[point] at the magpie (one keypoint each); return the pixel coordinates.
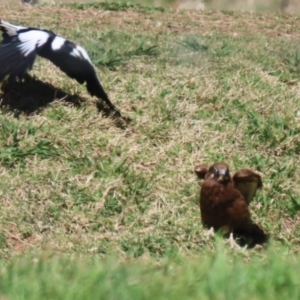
(20, 46)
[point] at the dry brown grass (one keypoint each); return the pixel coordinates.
(132, 191)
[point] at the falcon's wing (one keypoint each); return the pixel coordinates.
(247, 182)
(201, 171)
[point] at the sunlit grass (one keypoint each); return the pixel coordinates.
(217, 276)
(199, 87)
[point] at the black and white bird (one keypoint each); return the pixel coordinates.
(20, 46)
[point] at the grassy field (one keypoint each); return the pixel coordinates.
(218, 276)
(90, 206)
(290, 6)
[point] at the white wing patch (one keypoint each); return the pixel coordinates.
(84, 54)
(11, 30)
(32, 39)
(57, 43)
(75, 53)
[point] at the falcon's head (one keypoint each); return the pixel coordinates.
(219, 172)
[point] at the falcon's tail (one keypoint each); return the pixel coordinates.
(254, 235)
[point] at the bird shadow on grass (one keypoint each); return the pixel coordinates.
(32, 95)
(244, 238)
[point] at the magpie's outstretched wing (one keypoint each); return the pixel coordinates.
(19, 49)
(20, 46)
(76, 63)
(9, 30)
(12, 59)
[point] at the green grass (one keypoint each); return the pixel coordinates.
(116, 6)
(217, 276)
(200, 87)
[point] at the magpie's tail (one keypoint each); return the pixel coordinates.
(95, 88)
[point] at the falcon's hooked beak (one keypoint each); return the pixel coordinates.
(224, 175)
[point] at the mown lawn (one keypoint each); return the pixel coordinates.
(89, 205)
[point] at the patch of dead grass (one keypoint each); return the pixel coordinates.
(132, 191)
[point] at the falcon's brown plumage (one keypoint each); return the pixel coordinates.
(245, 180)
(224, 202)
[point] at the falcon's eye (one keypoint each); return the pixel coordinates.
(214, 170)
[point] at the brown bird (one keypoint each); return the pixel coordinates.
(224, 202)
(245, 180)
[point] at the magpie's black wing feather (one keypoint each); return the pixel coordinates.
(70, 61)
(12, 61)
(74, 61)
(95, 88)
(10, 30)
(20, 46)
